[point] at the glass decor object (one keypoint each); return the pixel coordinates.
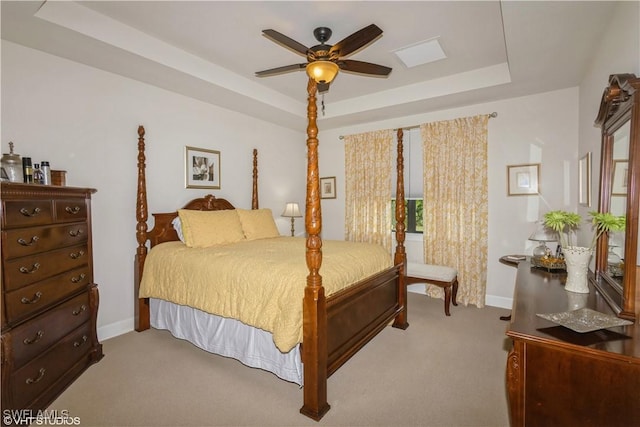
(11, 166)
(542, 234)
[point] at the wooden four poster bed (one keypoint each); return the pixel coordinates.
(334, 327)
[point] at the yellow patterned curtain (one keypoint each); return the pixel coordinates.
(455, 202)
(368, 187)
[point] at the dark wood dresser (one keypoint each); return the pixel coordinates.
(49, 301)
(558, 377)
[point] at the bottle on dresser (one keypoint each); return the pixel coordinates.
(27, 170)
(46, 173)
(37, 174)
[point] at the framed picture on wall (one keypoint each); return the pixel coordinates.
(584, 180)
(328, 187)
(522, 180)
(202, 168)
(620, 177)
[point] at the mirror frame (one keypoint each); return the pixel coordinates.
(620, 104)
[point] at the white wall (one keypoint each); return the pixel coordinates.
(533, 129)
(85, 121)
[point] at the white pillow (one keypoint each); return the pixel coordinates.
(177, 225)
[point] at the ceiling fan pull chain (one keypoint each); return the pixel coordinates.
(323, 104)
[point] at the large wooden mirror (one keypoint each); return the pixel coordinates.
(617, 276)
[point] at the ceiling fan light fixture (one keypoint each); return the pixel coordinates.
(322, 71)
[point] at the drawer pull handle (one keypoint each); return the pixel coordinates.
(76, 255)
(74, 210)
(23, 242)
(34, 340)
(40, 376)
(35, 267)
(33, 300)
(79, 278)
(34, 212)
(80, 310)
(75, 233)
(79, 343)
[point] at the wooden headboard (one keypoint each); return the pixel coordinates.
(163, 230)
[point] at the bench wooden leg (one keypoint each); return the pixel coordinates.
(455, 292)
(447, 299)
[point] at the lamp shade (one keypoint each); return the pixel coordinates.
(543, 234)
(322, 71)
(291, 210)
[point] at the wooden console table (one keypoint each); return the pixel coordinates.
(558, 377)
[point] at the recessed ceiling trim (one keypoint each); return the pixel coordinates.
(90, 23)
(462, 82)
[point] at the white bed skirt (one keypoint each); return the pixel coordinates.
(227, 337)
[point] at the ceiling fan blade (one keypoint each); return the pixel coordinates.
(364, 68)
(356, 40)
(280, 70)
(285, 41)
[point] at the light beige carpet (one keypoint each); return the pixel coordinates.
(441, 371)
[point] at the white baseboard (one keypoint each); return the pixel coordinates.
(490, 300)
(114, 329)
(500, 302)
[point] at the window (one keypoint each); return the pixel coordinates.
(413, 214)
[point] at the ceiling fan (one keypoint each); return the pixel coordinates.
(324, 60)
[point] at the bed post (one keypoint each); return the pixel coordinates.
(314, 320)
(141, 304)
(254, 194)
(400, 254)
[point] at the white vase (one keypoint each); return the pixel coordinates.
(577, 260)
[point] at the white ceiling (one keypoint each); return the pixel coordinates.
(209, 50)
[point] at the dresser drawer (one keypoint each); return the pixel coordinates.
(69, 210)
(39, 334)
(30, 269)
(28, 241)
(30, 381)
(29, 299)
(24, 213)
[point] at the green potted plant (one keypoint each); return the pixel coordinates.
(577, 257)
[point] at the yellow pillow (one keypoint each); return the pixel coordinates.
(209, 228)
(258, 224)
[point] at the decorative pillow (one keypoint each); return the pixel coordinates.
(257, 224)
(177, 225)
(209, 228)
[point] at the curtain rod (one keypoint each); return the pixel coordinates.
(491, 116)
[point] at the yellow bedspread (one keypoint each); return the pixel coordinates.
(259, 282)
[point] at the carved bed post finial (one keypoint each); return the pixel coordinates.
(400, 254)
(314, 346)
(254, 195)
(142, 305)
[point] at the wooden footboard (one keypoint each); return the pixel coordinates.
(359, 313)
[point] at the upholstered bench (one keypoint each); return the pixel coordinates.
(445, 277)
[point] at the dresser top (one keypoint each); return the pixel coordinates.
(541, 292)
(12, 190)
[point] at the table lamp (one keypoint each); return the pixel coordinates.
(292, 211)
(542, 234)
